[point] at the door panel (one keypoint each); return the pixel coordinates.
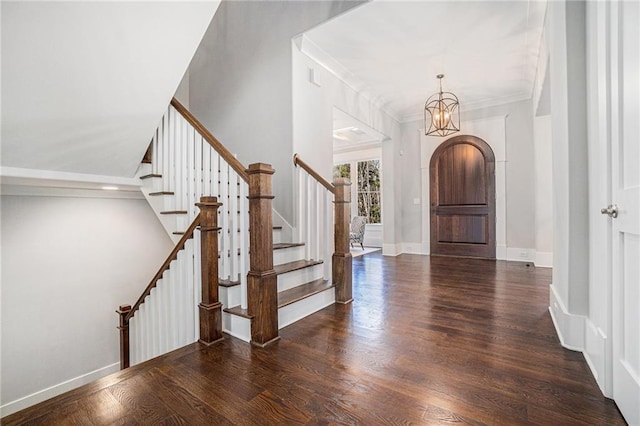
(625, 161)
(463, 221)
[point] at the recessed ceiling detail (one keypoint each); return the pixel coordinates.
(390, 51)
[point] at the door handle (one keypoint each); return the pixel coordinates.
(611, 210)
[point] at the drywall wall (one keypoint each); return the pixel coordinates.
(567, 74)
(67, 264)
(519, 177)
(543, 194)
(241, 82)
(313, 105)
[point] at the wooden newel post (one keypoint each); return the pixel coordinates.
(210, 307)
(341, 260)
(123, 312)
(262, 289)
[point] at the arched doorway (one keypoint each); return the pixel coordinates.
(463, 198)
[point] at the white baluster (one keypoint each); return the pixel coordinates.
(227, 232)
(234, 240)
(328, 232)
(243, 225)
(197, 288)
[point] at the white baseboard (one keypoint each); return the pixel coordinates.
(544, 259)
(391, 249)
(569, 327)
(597, 354)
(501, 252)
(55, 390)
(415, 248)
(521, 254)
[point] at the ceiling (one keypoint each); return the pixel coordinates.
(391, 51)
(84, 83)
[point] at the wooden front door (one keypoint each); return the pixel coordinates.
(463, 199)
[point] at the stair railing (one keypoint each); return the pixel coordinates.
(315, 222)
(167, 318)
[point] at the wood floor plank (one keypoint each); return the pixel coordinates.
(425, 341)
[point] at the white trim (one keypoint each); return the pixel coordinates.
(55, 390)
(501, 252)
(391, 249)
(596, 353)
(47, 178)
(569, 327)
(415, 248)
(544, 259)
(49, 191)
(515, 254)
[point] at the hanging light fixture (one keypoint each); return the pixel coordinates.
(441, 113)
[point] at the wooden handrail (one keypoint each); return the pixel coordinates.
(174, 254)
(215, 143)
(297, 161)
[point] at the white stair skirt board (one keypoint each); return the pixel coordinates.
(300, 276)
(296, 311)
(236, 326)
(289, 254)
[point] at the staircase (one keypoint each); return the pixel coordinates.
(184, 163)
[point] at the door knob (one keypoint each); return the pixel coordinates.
(611, 210)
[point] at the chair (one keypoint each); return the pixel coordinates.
(357, 230)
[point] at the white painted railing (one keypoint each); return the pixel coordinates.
(182, 154)
(315, 218)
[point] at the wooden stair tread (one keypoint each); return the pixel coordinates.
(293, 266)
(277, 228)
(149, 176)
(154, 194)
(237, 310)
(279, 246)
(303, 291)
(178, 232)
(174, 212)
(228, 283)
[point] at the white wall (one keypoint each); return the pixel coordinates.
(313, 133)
(569, 293)
(543, 194)
(241, 82)
(67, 264)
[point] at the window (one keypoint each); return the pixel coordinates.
(365, 188)
(369, 190)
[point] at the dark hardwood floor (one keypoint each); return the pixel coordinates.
(426, 341)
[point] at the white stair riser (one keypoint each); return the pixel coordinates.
(277, 236)
(236, 326)
(288, 254)
(230, 296)
(296, 311)
(295, 278)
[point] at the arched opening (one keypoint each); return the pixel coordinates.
(463, 198)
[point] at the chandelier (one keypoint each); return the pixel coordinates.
(441, 113)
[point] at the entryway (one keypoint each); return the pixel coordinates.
(463, 198)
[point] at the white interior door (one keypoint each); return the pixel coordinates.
(625, 180)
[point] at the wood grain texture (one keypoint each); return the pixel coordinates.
(341, 258)
(463, 198)
(210, 308)
(262, 290)
(426, 341)
(297, 161)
